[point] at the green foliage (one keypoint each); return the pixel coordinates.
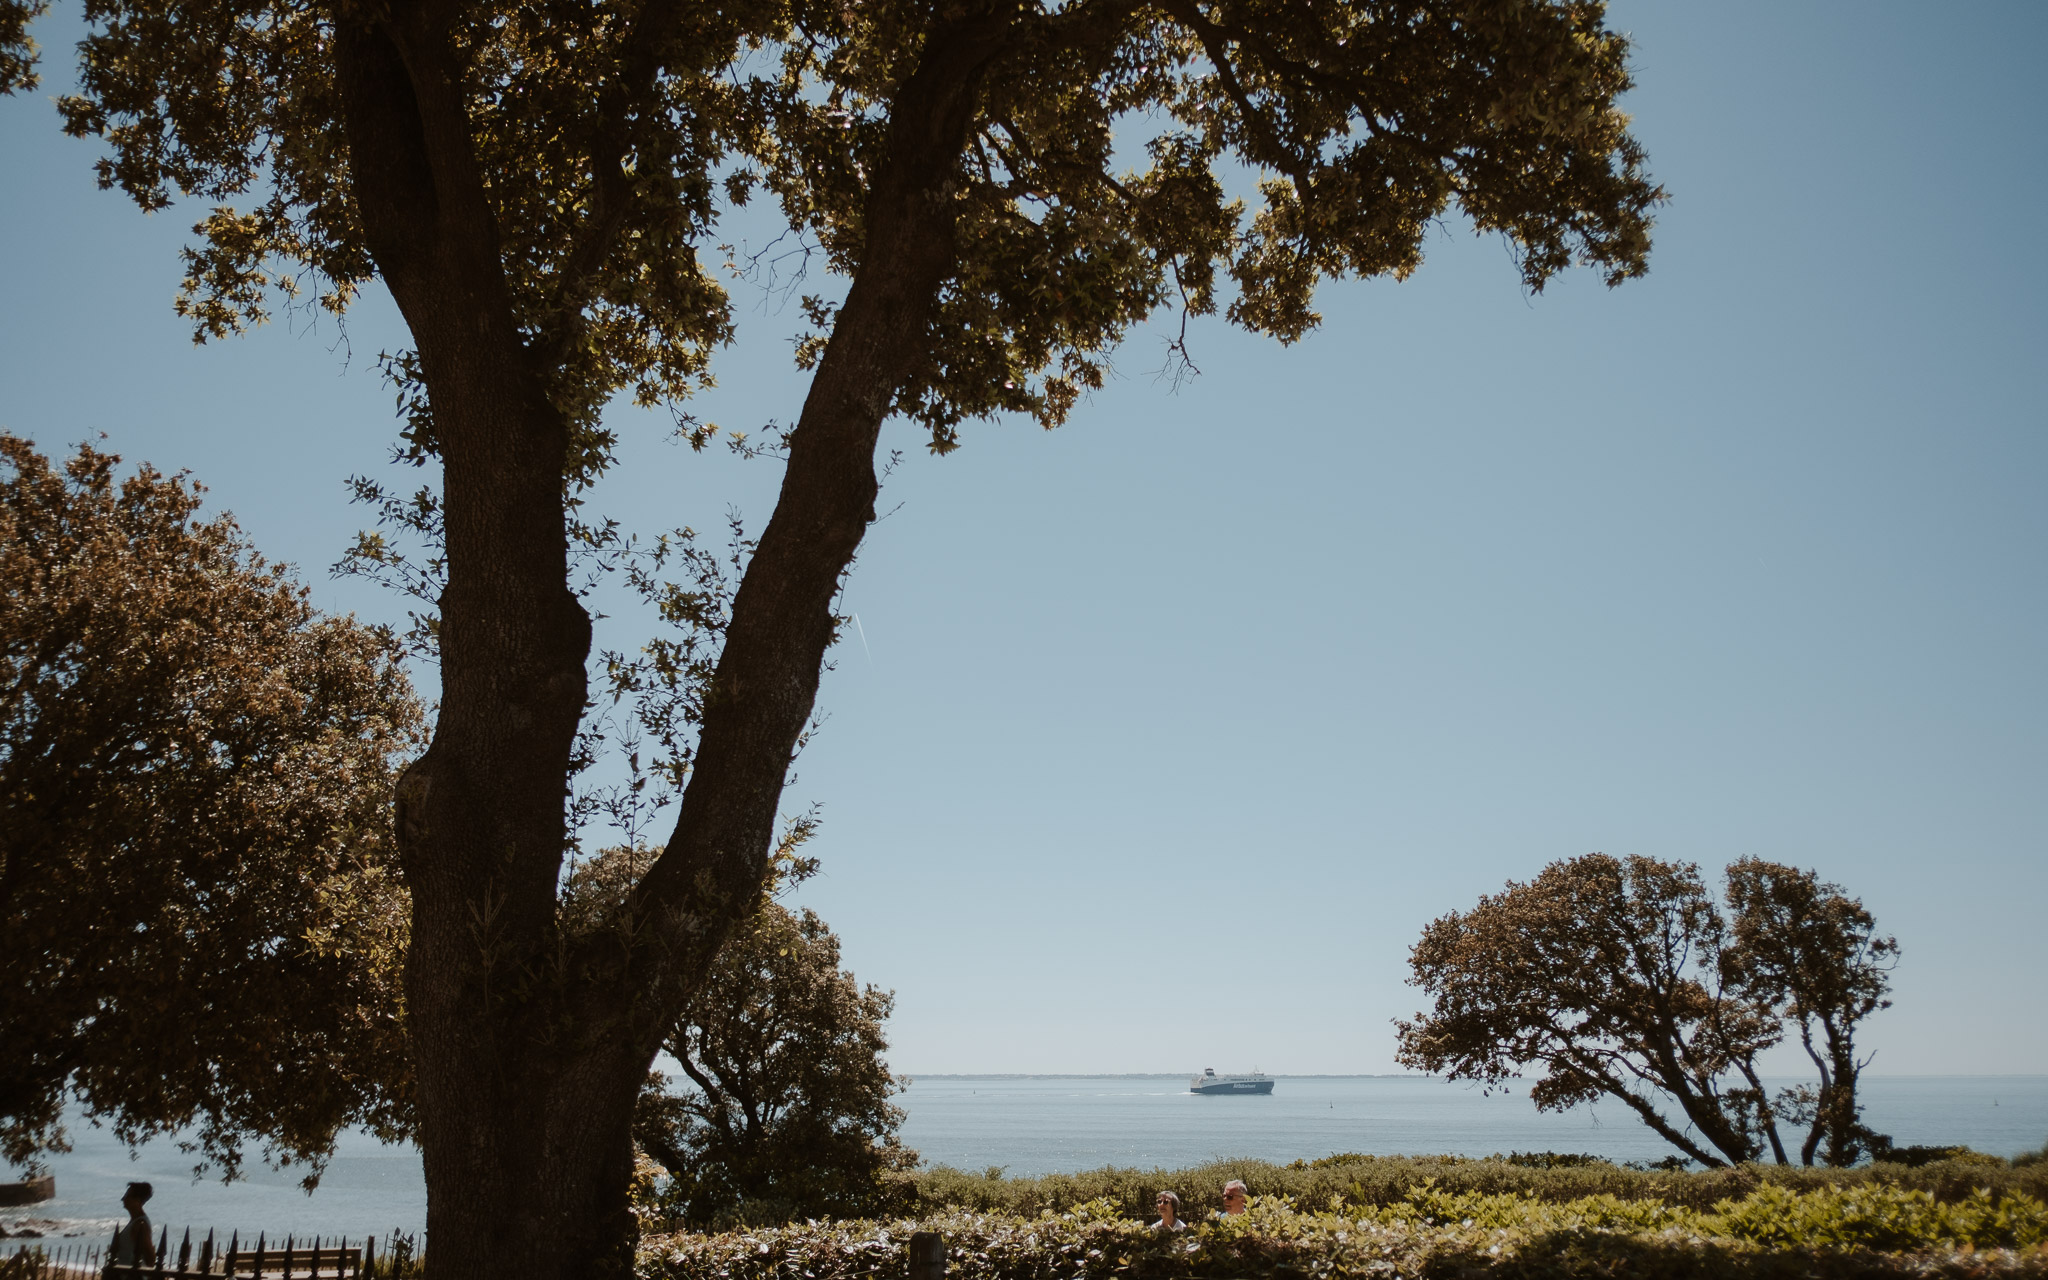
(786, 1110)
(1370, 1181)
(400, 1259)
(1550, 1160)
(1810, 953)
(23, 1264)
(1918, 1157)
(604, 133)
(17, 50)
(1875, 1230)
(1877, 1216)
(1604, 972)
(1621, 978)
(201, 920)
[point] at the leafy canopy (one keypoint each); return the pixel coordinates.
(1621, 978)
(17, 50)
(606, 135)
(786, 1110)
(200, 919)
(1808, 949)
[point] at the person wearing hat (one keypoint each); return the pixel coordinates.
(133, 1245)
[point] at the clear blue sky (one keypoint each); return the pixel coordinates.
(1174, 727)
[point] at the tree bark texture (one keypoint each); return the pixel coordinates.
(531, 1049)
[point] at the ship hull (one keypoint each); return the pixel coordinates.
(1223, 1087)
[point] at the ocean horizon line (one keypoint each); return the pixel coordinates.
(1156, 1075)
(1398, 1075)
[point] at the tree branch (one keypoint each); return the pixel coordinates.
(766, 683)
(628, 96)
(1650, 1115)
(1215, 42)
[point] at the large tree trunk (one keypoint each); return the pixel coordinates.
(523, 1123)
(529, 1048)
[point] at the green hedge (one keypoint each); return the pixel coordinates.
(1372, 1181)
(1874, 1229)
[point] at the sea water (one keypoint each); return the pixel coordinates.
(1027, 1125)
(1032, 1125)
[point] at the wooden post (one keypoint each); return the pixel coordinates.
(927, 1256)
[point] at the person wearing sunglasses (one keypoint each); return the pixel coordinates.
(1168, 1205)
(1234, 1197)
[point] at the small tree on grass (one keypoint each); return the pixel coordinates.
(1622, 979)
(200, 919)
(1811, 952)
(788, 1113)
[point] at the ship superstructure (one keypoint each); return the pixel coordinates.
(1211, 1083)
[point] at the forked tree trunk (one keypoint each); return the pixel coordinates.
(530, 1049)
(1846, 1136)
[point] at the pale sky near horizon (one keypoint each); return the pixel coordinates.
(1170, 730)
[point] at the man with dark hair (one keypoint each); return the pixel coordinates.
(133, 1246)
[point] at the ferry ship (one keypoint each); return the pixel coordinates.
(1210, 1082)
